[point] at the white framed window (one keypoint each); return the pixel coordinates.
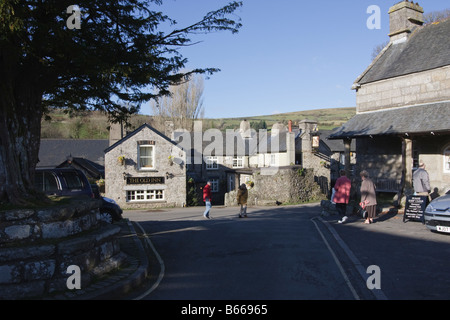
(273, 160)
(145, 195)
(342, 159)
(146, 157)
(238, 162)
(212, 163)
(447, 160)
(214, 185)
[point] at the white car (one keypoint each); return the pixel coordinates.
(437, 214)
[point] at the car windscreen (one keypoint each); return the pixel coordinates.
(73, 180)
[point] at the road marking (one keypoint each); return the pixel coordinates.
(378, 293)
(347, 281)
(161, 263)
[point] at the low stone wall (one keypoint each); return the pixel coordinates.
(287, 185)
(37, 247)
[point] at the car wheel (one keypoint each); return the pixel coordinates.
(105, 216)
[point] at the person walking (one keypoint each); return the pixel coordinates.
(207, 199)
(421, 182)
(368, 196)
(342, 195)
(242, 197)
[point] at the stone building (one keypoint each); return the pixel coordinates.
(145, 169)
(157, 169)
(231, 158)
(403, 105)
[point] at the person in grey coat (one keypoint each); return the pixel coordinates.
(421, 181)
(368, 196)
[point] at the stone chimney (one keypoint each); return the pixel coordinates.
(245, 129)
(115, 132)
(307, 127)
(169, 129)
(403, 18)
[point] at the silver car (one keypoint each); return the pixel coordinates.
(437, 214)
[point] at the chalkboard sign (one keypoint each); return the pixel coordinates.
(415, 208)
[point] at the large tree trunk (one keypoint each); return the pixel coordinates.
(20, 126)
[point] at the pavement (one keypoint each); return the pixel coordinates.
(137, 274)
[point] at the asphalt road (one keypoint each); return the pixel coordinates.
(275, 254)
(291, 253)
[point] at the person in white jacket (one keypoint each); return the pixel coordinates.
(421, 181)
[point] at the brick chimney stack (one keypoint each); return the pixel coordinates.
(403, 18)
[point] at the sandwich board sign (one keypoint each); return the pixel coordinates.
(415, 208)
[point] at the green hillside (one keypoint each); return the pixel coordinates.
(326, 118)
(94, 124)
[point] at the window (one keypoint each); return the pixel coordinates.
(145, 195)
(146, 157)
(238, 162)
(342, 159)
(45, 181)
(73, 180)
(214, 185)
(273, 160)
(447, 160)
(212, 163)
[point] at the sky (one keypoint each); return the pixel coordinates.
(289, 55)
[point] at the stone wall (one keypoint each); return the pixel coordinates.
(416, 88)
(289, 185)
(38, 245)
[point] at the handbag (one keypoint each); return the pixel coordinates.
(363, 212)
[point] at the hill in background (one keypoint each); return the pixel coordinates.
(326, 118)
(95, 125)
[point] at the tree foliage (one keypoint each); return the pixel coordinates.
(436, 16)
(118, 59)
(183, 106)
(117, 55)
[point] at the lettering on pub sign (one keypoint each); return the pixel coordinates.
(145, 180)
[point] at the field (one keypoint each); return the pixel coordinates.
(326, 118)
(95, 125)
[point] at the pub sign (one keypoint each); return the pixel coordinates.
(145, 180)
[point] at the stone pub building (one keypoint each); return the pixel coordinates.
(403, 105)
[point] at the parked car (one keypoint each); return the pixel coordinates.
(110, 211)
(437, 214)
(63, 182)
(73, 183)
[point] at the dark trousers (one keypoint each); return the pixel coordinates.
(341, 208)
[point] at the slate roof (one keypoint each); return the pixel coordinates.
(232, 143)
(53, 152)
(132, 134)
(418, 119)
(333, 144)
(90, 168)
(427, 48)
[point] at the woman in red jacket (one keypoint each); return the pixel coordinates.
(207, 199)
(342, 195)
